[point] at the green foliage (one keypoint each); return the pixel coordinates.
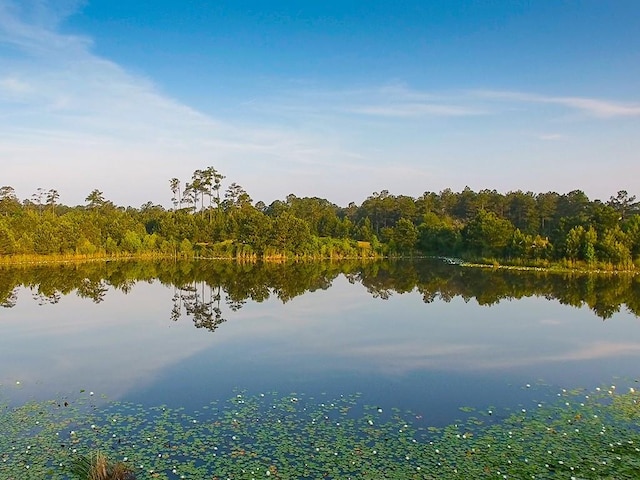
(405, 235)
(186, 249)
(487, 234)
(518, 226)
(581, 434)
(131, 242)
(439, 236)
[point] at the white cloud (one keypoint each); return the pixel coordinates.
(415, 110)
(14, 86)
(551, 136)
(74, 121)
(590, 106)
(394, 100)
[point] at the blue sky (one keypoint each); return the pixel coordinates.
(335, 99)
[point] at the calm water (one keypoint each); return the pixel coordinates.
(424, 335)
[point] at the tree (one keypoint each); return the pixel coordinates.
(522, 211)
(7, 240)
(439, 236)
(190, 196)
(623, 204)
(236, 197)
(467, 205)
(9, 203)
(603, 217)
(547, 204)
(95, 199)
(254, 228)
(290, 234)
(574, 243)
(174, 184)
(405, 235)
(589, 245)
(131, 242)
(214, 182)
(487, 234)
(632, 229)
(612, 247)
(51, 199)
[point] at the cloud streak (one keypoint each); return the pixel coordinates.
(593, 107)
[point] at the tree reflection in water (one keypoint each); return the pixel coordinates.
(204, 289)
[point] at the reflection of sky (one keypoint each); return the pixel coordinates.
(338, 340)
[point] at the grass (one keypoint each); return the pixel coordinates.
(96, 466)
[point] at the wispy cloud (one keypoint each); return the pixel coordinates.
(401, 101)
(62, 105)
(551, 136)
(30, 25)
(594, 107)
(73, 120)
(398, 100)
(415, 110)
(392, 100)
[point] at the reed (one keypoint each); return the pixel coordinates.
(96, 466)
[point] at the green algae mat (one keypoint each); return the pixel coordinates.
(571, 434)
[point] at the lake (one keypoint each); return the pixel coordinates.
(419, 335)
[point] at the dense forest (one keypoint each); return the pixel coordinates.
(207, 220)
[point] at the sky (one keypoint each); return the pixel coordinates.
(334, 99)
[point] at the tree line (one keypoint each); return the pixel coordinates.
(209, 220)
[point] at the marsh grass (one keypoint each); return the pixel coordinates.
(96, 466)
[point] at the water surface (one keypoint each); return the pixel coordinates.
(419, 335)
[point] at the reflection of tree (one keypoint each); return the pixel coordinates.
(43, 299)
(95, 290)
(208, 292)
(604, 294)
(9, 299)
(202, 308)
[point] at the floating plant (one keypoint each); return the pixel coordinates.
(583, 435)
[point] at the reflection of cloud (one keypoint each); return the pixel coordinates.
(590, 352)
(406, 357)
(600, 350)
(550, 321)
(403, 357)
(127, 341)
(112, 351)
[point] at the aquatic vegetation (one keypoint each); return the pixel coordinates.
(96, 466)
(587, 435)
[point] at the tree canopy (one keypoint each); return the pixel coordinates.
(212, 219)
